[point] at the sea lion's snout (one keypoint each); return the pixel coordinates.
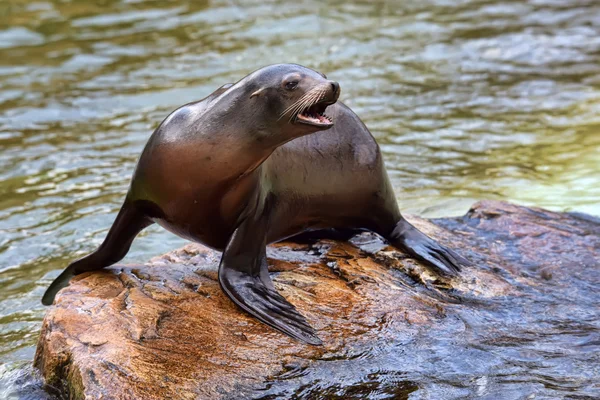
(335, 87)
(314, 103)
(332, 96)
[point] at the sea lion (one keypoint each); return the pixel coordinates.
(256, 162)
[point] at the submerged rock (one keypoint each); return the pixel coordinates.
(165, 330)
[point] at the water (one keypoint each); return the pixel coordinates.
(468, 99)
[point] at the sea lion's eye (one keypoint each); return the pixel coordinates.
(291, 85)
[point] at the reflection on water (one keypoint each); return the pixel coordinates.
(468, 99)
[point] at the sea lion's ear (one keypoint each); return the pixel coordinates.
(257, 93)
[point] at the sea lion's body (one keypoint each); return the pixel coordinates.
(329, 179)
(207, 176)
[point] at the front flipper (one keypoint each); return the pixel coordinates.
(244, 277)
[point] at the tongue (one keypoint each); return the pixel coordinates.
(315, 117)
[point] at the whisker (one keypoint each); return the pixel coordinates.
(303, 104)
(307, 100)
(295, 104)
(310, 101)
(292, 106)
(301, 107)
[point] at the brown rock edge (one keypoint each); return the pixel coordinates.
(165, 330)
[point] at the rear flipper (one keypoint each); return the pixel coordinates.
(129, 222)
(244, 277)
(443, 260)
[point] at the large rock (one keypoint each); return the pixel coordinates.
(165, 330)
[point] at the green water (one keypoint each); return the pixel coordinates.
(468, 99)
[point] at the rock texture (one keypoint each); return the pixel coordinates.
(165, 330)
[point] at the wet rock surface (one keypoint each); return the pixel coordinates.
(522, 322)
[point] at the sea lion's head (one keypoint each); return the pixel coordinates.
(291, 99)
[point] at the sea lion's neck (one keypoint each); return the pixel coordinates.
(244, 141)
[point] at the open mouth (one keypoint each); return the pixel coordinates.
(315, 115)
